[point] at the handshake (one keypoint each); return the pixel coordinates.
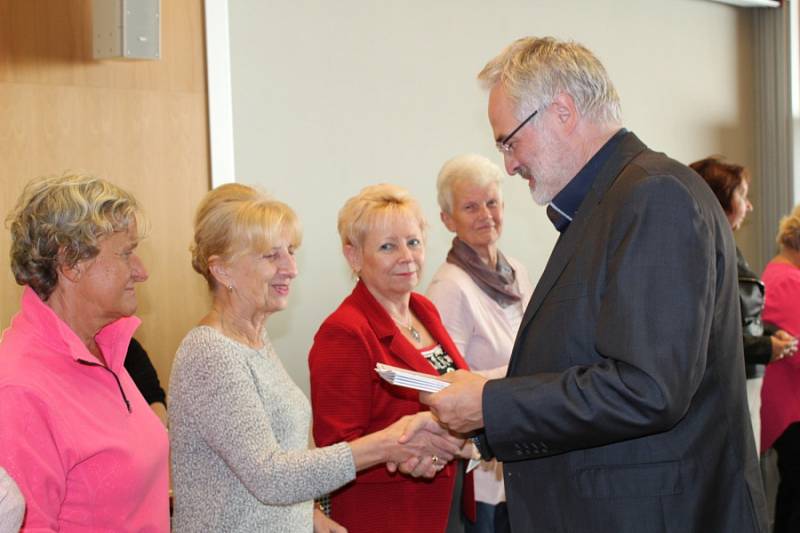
(419, 446)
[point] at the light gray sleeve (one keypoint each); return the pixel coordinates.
(12, 505)
(229, 414)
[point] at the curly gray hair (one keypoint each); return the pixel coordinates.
(59, 220)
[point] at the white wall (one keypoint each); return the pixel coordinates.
(331, 96)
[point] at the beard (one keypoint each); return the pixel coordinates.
(551, 172)
(542, 190)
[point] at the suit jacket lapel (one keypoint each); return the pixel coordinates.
(569, 241)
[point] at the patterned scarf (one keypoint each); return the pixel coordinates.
(499, 284)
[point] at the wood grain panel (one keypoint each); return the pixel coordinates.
(141, 124)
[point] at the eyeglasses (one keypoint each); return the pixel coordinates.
(503, 145)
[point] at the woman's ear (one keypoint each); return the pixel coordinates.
(448, 222)
(354, 257)
(72, 273)
(219, 271)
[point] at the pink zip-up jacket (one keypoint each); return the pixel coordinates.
(86, 450)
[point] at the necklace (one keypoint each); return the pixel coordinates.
(410, 328)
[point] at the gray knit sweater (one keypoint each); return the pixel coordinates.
(12, 504)
(239, 428)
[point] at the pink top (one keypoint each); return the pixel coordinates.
(780, 395)
(86, 450)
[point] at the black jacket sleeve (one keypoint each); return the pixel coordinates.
(138, 365)
(757, 350)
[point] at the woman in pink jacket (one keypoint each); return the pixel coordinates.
(780, 401)
(76, 435)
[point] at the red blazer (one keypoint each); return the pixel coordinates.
(350, 400)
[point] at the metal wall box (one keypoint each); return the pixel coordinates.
(126, 29)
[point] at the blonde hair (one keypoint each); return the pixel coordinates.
(59, 221)
(233, 219)
(533, 71)
(470, 168)
(373, 206)
(789, 230)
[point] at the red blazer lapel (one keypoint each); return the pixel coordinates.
(394, 341)
(395, 345)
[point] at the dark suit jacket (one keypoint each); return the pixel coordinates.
(625, 407)
(349, 400)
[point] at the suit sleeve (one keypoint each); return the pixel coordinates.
(655, 303)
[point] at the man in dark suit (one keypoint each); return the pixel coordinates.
(624, 408)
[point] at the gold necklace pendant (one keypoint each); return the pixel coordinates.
(408, 327)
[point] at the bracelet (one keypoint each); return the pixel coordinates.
(323, 503)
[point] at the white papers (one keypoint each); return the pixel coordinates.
(473, 464)
(418, 381)
(410, 379)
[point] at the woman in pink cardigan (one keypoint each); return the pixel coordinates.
(780, 399)
(76, 435)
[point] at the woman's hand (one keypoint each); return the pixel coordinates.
(783, 345)
(419, 438)
(323, 524)
(426, 446)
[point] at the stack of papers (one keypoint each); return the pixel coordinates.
(410, 379)
(418, 381)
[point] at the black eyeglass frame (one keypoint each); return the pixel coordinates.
(503, 145)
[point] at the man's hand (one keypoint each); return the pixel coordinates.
(460, 406)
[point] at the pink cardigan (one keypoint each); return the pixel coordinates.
(79, 439)
(780, 394)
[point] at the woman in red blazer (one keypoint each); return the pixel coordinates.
(383, 321)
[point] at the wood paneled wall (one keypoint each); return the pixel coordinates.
(141, 124)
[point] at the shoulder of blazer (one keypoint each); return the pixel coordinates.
(360, 311)
(420, 303)
(630, 149)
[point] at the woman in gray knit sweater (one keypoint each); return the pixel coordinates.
(239, 426)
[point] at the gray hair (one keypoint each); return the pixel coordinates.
(469, 168)
(533, 71)
(59, 221)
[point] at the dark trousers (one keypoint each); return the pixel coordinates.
(787, 501)
(490, 519)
